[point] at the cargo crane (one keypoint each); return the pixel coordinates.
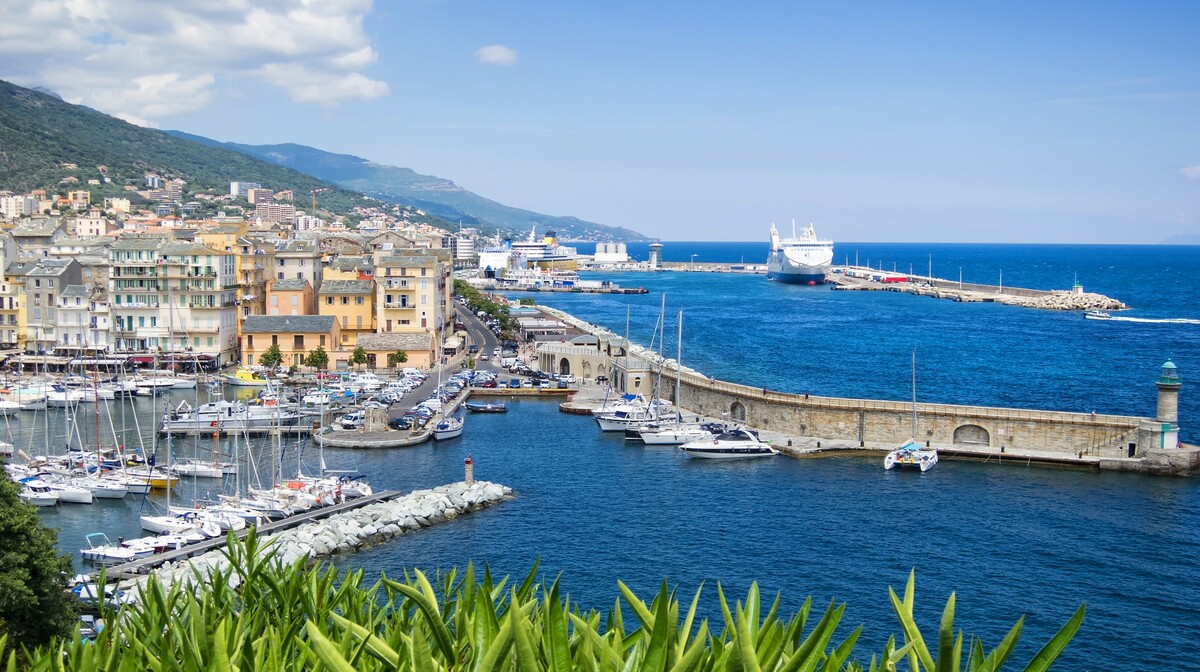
(314, 193)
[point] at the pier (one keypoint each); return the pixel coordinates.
(143, 565)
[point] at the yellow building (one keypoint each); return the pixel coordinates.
(379, 346)
(352, 302)
(293, 296)
(256, 258)
(413, 294)
(296, 336)
(13, 320)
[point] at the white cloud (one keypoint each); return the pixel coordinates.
(1191, 172)
(496, 54)
(146, 61)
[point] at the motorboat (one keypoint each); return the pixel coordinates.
(489, 407)
(9, 407)
(227, 416)
(191, 521)
(197, 469)
(911, 455)
(37, 492)
(449, 428)
(6, 450)
(244, 377)
(102, 551)
(62, 397)
(104, 488)
(1095, 314)
(674, 435)
(736, 443)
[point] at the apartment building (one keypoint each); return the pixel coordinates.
(352, 302)
(293, 296)
(295, 335)
(44, 284)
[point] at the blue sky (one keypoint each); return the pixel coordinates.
(1015, 122)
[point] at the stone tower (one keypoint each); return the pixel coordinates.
(1168, 384)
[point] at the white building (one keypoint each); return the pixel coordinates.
(611, 253)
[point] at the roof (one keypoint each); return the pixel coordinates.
(76, 290)
(51, 267)
(306, 247)
(288, 324)
(347, 287)
(586, 339)
(186, 249)
(392, 342)
(132, 243)
(289, 285)
(407, 260)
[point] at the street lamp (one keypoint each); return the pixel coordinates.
(694, 261)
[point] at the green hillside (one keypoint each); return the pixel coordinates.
(40, 134)
(435, 195)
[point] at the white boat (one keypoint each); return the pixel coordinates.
(104, 488)
(1095, 314)
(69, 493)
(189, 522)
(154, 385)
(620, 421)
(9, 407)
(184, 383)
(802, 259)
(37, 492)
(673, 435)
(448, 428)
(734, 444)
(911, 454)
(227, 416)
(102, 551)
(6, 450)
(61, 397)
(197, 469)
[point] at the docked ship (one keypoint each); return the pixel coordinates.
(802, 259)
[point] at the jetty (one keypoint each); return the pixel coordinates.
(337, 529)
(807, 425)
(858, 278)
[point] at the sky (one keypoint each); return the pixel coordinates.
(1037, 122)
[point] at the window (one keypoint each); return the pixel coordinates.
(423, 325)
(274, 300)
(329, 300)
(360, 322)
(345, 300)
(358, 300)
(210, 341)
(295, 300)
(196, 341)
(299, 276)
(249, 341)
(50, 282)
(345, 338)
(274, 339)
(389, 325)
(322, 341)
(298, 342)
(37, 282)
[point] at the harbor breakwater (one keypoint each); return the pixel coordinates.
(352, 530)
(809, 424)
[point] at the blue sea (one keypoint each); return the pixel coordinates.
(1008, 540)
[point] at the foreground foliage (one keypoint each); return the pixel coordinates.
(261, 616)
(35, 606)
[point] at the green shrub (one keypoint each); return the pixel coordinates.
(260, 616)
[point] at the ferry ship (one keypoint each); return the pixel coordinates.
(800, 259)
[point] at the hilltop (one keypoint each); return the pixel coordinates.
(46, 142)
(431, 194)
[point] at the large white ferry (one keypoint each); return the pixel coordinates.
(800, 259)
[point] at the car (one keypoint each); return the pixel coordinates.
(527, 383)
(483, 357)
(567, 378)
(352, 420)
(601, 379)
(473, 349)
(400, 423)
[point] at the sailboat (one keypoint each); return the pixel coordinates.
(911, 454)
(676, 432)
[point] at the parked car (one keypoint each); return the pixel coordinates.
(400, 423)
(353, 420)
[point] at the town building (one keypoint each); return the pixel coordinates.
(44, 283)
(296, 336)
(352, 302)
(293, 296)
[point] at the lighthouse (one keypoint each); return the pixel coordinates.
(1168, 384)
(655, 262)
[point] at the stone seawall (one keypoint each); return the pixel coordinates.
(347, 532)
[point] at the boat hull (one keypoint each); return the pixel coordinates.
(726, 452)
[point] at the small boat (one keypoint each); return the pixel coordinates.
(736, 443)
(6, 450)
(448, 428)
(673, 435)
(245, 378)
(911, 455)
(490, 407)
(37, 492)
(1095, 314)
(9, 407)
(101, 551)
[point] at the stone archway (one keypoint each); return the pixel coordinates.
(737, 412)
(587, 369)
(564, 366)
(972, 435)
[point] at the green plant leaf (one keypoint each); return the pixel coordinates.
(1055, 646)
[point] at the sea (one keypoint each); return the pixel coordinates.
(1009, 541)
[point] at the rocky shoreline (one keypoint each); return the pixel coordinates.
(355, 529)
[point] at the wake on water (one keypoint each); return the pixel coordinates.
(1172, 320)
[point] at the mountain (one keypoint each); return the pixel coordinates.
(46, 142)
(1182, 239)
(432, 194)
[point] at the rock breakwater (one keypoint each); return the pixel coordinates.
(358, 528)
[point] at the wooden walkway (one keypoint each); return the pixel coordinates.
(143, 565)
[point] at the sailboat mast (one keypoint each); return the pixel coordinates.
(679, 364)
(914, 394)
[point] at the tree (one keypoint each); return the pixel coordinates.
(34, 602)
(527, 301)
(359, 356)
(317, 359)
(272, 357)
(396, 358)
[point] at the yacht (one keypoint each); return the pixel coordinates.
(736, 443)
(675, 434)
(37, 492)
(449, 428)
(227, 416)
